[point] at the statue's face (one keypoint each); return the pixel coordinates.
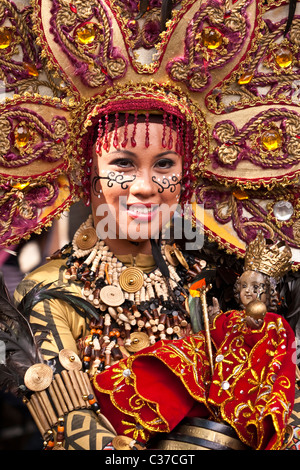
(252, 283)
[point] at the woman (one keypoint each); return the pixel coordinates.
(149, 370)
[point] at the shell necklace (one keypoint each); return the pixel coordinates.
(137, 307)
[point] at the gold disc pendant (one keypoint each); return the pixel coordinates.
(38, 377)
(139, 341)
(180, 258)
(86, 239)
(69, 360)
(170, 255)
(131, 280)
(122, 442)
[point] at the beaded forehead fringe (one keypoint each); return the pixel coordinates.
(112, 123)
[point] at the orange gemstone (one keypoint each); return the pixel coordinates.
(31, 69)
(240, 194)
(212, 38)
(245, 78)
(22, 136)
(284, 57)
(271, 139)
(86, 33)
(5, 37)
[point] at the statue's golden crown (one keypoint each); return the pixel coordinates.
(273, 260)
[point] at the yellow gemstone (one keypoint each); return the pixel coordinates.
(86, 33)
(5, 37)
(22, 136)
(20, 185)
(245, 78)
(271, 139)
(284, 57)
(211, 38)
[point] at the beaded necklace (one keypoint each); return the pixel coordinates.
(135, 309)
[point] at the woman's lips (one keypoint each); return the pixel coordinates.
(142, 212)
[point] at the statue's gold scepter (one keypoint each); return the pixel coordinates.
(199, 289)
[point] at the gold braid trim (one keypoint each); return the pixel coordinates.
(257, 423)
(159, 425)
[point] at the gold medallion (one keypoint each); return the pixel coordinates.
(38, 377)
(131, 280)
(112, 296)
(86, 239)
(180, 258)
(170, 255)
(69, 360)
(122, 442)
(139, 341)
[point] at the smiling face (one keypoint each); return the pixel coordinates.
(251, 284)
(138, 186)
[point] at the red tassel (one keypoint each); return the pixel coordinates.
(124, 143)
(170, 144)
(116, 139)
(164, 142)
(147, 140)
(99, 138)
(177, 145)
(105, 145)
(133, 141)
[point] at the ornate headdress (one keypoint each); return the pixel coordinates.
(228, 69)
(274, 260)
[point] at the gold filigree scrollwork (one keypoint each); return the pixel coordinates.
(261, 140)
(249, 215)
(20, 65)
(17, 201)
(269, 73)
(215, 36)
(84, 33)
(28, 138)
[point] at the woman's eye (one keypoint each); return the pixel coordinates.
(165, 164)
(122, 163)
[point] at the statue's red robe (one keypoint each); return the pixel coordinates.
(252, 387)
